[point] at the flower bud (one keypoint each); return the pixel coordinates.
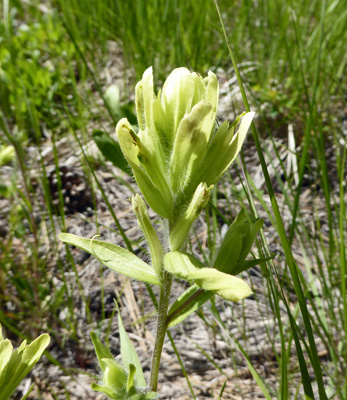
(180, 230)
(223, 150)
(157, 251)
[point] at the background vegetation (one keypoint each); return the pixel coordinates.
(292, 61)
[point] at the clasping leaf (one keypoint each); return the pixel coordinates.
(187, 267)
(114, 257)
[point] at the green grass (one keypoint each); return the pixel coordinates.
(290, 59)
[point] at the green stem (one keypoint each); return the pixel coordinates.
(162, 324)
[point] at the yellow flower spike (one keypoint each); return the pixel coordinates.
(175, 148)
(180, 230)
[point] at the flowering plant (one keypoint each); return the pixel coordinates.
(177, 156)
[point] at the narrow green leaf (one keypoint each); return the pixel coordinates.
(6, 349)
(106, 390)
(28, 392)
(252, 263)
(187, 267)
(157, 251)
(187, 303)
(111, 150)
(114, 257)
(181, 364)
(100, 350)
(247, 244)
(131, 376)
(229, 251)
(254, 373)
(129, 355)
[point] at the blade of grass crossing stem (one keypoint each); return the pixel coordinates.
(281, 231)
(342, 218)
(254, 372)
(181, 364)
(283, 361)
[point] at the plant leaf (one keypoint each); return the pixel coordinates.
(131, 376)
(111, 150)
(251, 263)
(129, 355)
(108, 391)
(157, 251)
(192, 299)
(100, 350)
(114, 257)
(187, 267)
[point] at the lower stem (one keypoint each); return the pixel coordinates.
(162, 325)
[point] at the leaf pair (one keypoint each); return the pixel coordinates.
(230, 261)
(220, 279)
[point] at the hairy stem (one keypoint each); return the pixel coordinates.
(162, 325)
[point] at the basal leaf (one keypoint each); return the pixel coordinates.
(252, 263)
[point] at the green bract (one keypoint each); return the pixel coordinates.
(176, 148)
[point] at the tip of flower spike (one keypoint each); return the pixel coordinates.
(176, 77)
(148, 71)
